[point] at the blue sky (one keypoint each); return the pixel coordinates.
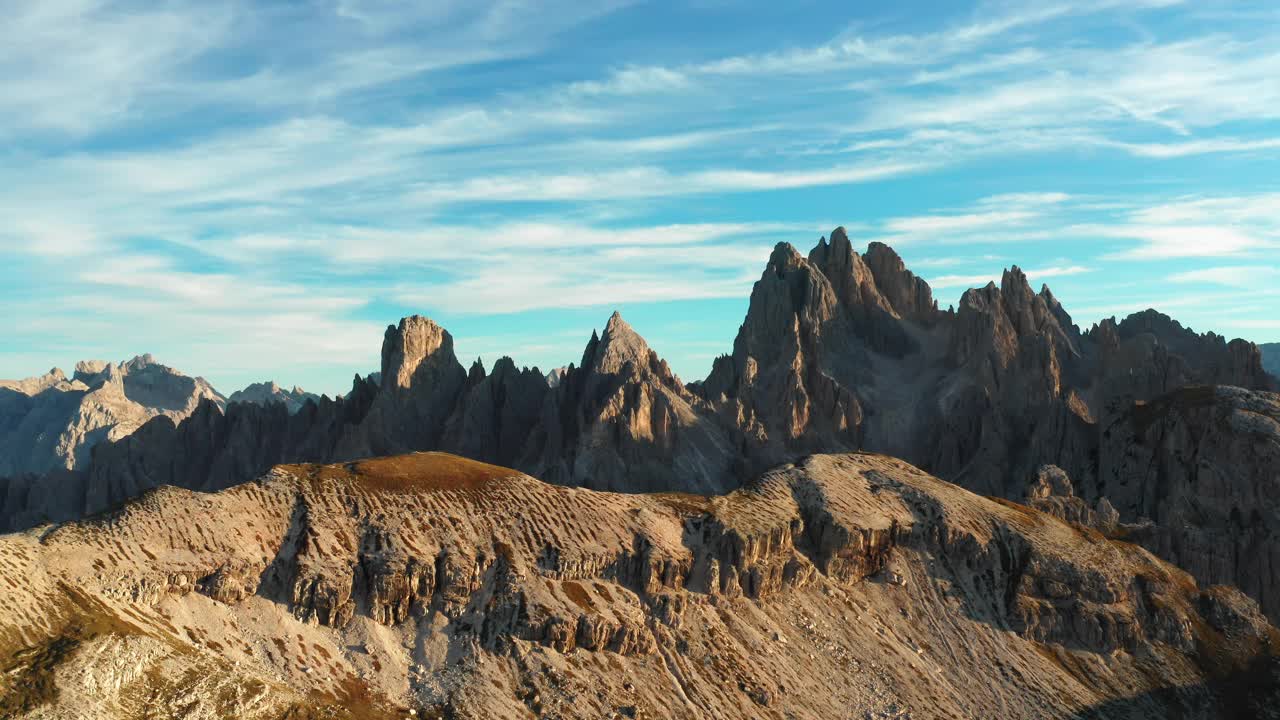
(254, 190)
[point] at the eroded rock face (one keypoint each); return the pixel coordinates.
(623, 421)
(784, 384)
(1203, 463)
(853, 579)
(52, 423)
(1051, 492)
(497, 412)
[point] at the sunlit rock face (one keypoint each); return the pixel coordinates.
(430, 585)
(53, 422)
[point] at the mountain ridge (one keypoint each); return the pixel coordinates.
(52, 422)
(839, 351)
(433, 586)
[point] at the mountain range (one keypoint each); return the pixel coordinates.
(53, 422)
(831, 459)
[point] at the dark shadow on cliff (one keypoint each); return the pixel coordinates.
(1252, 693)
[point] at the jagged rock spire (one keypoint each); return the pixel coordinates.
(407, 346)
(619, 345)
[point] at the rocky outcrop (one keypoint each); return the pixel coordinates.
(1051, 492)
(841, 350)
(433, 586)
(266, 393)
(1202, 463)
(1008, 405)
(1150, 354)
(790, 381)
(52, 423)
(623, 421)
(421, 380)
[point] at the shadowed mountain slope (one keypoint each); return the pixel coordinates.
(1271, 358)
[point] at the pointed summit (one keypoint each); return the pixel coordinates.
(476, 374)
(615, 323)
(849, 276)
(620, 344)
(909, 295)
(139, 362)
(837, 249)
(784, 257)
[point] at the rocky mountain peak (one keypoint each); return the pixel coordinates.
(556, 376)
(35, 385)
(850, 278)
(884, 255)
(783, 258)
(1152, 339)
(908, 295)
(54, 424)
(619, 345)
(88, 368)
(138, 362)
(269, 391)
(1014, 279)
(476, 373)
(407, 347)
(506, 365)
(838, 249)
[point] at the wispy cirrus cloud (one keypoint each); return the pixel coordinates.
(1246, 276)
(483, 159)
(1033, 275)
(645, 182)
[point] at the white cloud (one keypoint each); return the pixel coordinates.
(1056, 271)
(1183, 241)
(1198, 147)
(946, 223)
(1025, 199)
(641, 182)
(73, 65)
(49, 237)
(1245, 276)
(1033, 276)
(634, 81)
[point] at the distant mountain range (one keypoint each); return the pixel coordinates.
(264, 393)
(52, 423)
